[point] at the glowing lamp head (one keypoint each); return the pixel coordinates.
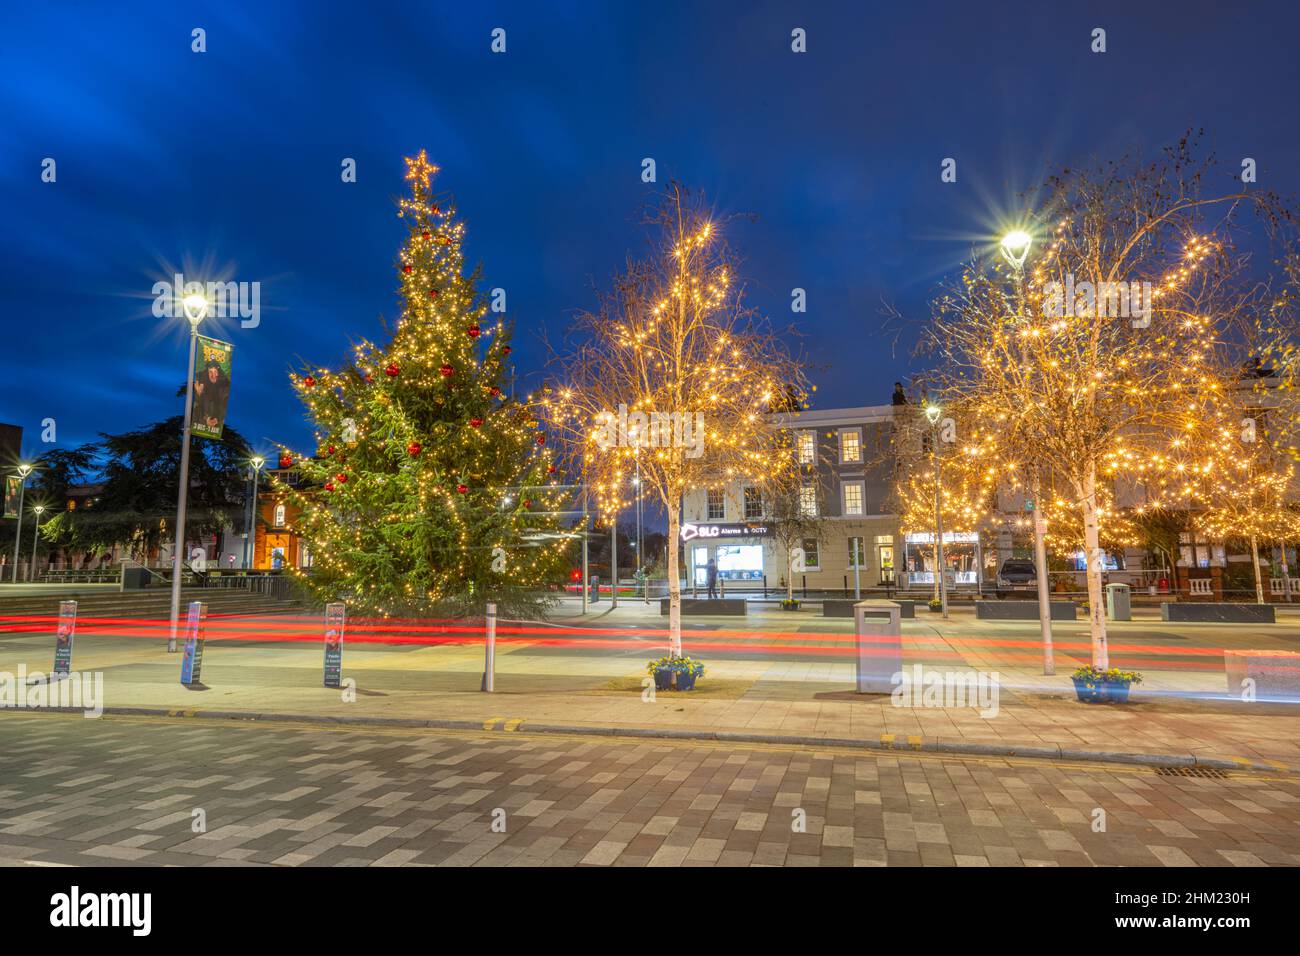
(196, 307)
(39, 509)
(1015, 247)
(932, 413)
(257, 461)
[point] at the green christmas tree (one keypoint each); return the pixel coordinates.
(431, 490)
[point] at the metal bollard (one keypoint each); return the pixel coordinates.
(490, 652)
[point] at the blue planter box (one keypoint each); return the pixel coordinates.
(686, 680)
(1100, 692)
(663, 678)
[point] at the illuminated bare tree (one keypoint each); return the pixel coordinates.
(1111, 349)
(675, 370)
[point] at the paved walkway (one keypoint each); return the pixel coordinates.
(592, 680)
(139, 791)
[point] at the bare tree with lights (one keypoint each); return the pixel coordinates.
(674, 368)
(1085, 378)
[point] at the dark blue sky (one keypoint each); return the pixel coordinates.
(228, 161)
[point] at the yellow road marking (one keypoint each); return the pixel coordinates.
(513, 723)
(914, 741)
(887, 740)
(490, 723)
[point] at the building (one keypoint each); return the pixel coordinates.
(847, 458)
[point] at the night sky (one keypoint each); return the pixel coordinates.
(227, 163)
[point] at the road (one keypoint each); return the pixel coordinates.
(133, 791)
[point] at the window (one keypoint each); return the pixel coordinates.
(807, 448)
(853, 498)
(850, 446)
(279, 516)
(716, 511)
(857, 557)
(753, 503)
(810, 557)
(808, 501)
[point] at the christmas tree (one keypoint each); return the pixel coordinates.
(431, 490)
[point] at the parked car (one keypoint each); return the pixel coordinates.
(1017, 574)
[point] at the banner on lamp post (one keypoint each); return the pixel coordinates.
(211, 384)
(12, 485)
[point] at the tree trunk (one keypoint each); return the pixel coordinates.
(935, 552)
(789, 575)
(674, 588)
(1092, 551)
(1259, 581)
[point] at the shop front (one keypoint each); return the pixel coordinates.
(961, 558)
(740, 549)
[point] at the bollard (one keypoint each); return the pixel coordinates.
(490, 652)
(192, 659)
(879, 654)
(63, 640)
(335, 620)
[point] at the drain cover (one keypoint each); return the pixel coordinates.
(1208, 772)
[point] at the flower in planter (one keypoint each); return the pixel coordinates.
(1095, 675)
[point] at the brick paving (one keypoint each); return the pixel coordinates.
(125, 791)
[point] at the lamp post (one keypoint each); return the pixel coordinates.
(196, 308)
(932, 414)
(24, 469)
(645, 584)
(39, 510)
(250, 530)
(1015, 249)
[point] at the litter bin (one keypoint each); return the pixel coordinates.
(134, 578)
(1119, 604)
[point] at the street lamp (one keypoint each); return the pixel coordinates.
(636, 483)
(196, 308)
(1015, 249)
(932, 414)
(24, 469)
(250, 530)
(40, 510)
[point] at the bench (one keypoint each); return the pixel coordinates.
(1218, 612)
(702, 606)
(1023, 610)
(839, 607)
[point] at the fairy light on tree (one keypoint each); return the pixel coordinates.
(1131, 381)
(429, 488)
(673, 341)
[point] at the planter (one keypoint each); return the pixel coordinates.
(686, 680)
(1100, 692)
(664, 678)
(789, 605)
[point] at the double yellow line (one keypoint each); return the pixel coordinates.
(507, 723)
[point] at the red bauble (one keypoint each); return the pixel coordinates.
(341, 478)
(528, 504)
(329, 486)
(434, 209)
(444, 240)
(505, 350)
(433, 293)
(392, 370)
(425, 234)
(462, 489)
(369, 378)
(413, 449)
(406, 269)
(309, 381)
(286, 461)
(330, 450)
(541, 439)
(473, 331)
(476, 422)
(496, 392)
(550, 469)
(447, 371)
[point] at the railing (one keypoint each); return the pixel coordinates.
(1201, 586)
(278, 587)
(1278, 586)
